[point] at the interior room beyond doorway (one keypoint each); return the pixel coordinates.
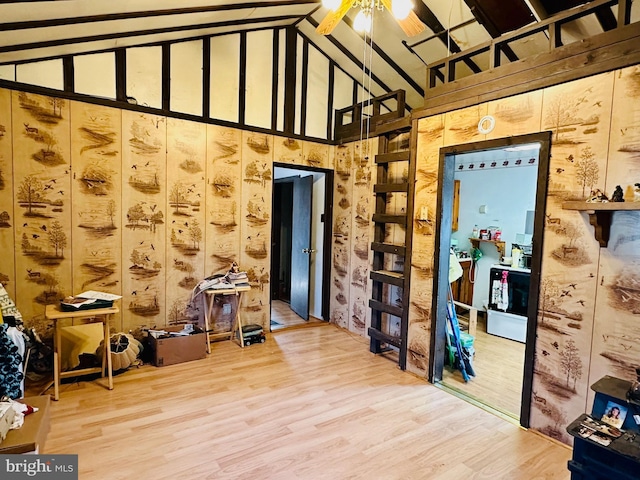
(290, 282)
(496, 201)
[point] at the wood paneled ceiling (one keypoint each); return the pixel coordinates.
(36, 30)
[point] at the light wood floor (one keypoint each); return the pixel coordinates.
(310, 403)
(282, 316)
(499, 365)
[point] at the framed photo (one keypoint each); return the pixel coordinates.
(614, 414)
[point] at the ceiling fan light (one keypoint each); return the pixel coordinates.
(331, 4)
(362, 22)
(401, 8)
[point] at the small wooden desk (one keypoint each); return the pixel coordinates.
(53, 312)
(237, 321)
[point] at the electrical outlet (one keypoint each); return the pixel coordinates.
(226, 309)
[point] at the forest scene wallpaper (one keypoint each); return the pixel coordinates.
(587, 323)
(135, 204)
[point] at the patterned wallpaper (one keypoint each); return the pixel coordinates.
(589, 296)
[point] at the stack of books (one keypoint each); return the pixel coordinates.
(237, 278)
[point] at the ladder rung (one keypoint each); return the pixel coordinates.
(391, 187)
(393, 157)
(384, 337)
(383, 307)
(388, 248)
(388, 276)
(384, 218)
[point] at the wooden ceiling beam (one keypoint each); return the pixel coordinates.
(109, 17)
(427, 17)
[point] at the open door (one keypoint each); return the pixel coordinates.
(301, 245)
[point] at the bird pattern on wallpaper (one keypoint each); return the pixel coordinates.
(257, 167)
(144, 205)
(343, 197)
(7, 262)
(186, 160)
(41, 183)
(95, 188)
(223, 197)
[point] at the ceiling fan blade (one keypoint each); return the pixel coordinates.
(411, 25)
(333, 18)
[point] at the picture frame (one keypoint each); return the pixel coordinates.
(614, 414)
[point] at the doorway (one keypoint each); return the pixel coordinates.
(498, 173)
(300, 249)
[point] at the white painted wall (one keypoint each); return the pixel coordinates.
(259, 72)
(317, 94)
(225, 77)
(186, 77)
(298, 115)
(95, 74)
(46, 74)
(282, 46)
(507, 193)
(342, 93)
(8, 72)
(144, 75)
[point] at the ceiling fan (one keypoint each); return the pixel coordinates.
(402, 11)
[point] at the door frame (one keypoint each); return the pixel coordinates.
(327, 220)
(443, 239)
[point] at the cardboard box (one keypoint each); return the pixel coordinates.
(31, 436)
(172, 350)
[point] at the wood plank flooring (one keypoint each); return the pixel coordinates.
(499, 367)
(283, 317)
(309, 403)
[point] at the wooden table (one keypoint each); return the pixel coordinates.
(237, 321)
(53, 312)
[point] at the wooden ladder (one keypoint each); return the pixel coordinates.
(392, 260)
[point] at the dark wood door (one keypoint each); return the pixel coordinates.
(301, 245)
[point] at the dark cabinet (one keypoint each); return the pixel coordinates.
(601, 452)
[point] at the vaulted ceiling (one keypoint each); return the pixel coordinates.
(44, 29)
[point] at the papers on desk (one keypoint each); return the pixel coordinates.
(88, 300)
(99, 295)
(77, 302)
(222, 282)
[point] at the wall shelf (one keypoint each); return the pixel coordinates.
(600, 215)
(500, 245)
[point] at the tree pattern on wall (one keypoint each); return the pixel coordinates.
(574, 347)
(186, 158)
(257, 176)
(42, 175)
(111, 192)
(96, 192)
(361, 229)
(341, 241)
(144, 243)
(7, 262)
(224, 187)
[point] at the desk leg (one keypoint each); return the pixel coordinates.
(209, 300)
(238, 322)
(107, 352)
(56, 361)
